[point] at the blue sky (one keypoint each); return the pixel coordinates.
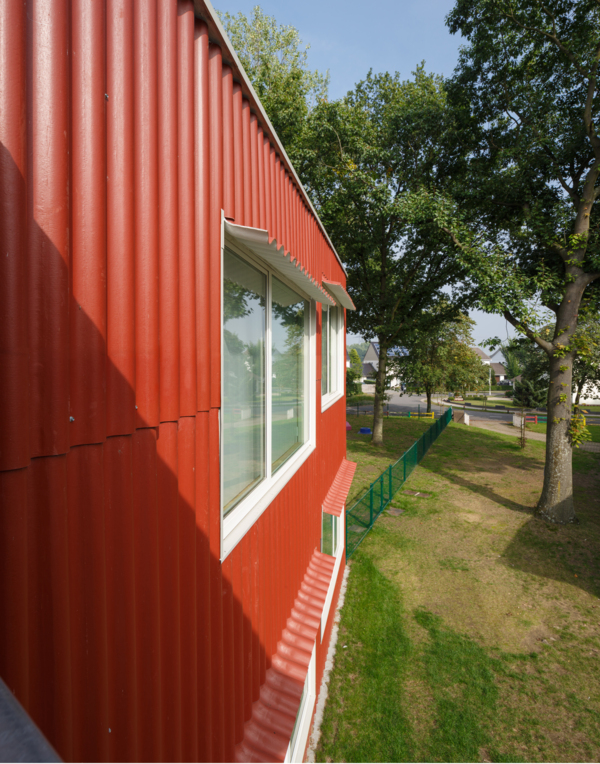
(349, 38)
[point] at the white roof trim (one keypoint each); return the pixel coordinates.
(340, 294)
(257, 240)
(263, 115)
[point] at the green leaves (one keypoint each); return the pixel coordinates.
(276, 63)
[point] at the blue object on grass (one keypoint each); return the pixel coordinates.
(365, 431)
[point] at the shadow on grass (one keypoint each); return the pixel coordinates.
(567, 553)
(459, 459)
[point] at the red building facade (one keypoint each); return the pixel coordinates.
(170, 554)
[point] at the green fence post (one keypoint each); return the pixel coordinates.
(390, 471)
(381, 505)
(371, 505)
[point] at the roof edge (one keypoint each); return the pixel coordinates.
(204, 10)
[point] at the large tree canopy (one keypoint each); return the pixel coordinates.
(276, 63)
(362, 158)
(527, 222)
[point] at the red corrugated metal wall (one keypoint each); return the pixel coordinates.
(123, 135)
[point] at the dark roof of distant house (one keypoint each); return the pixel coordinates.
(368, 370)
(481, 353)
(498, 368)
(392, 351)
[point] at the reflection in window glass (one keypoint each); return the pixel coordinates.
(333, 350)
(325, 350)
(243, 405)
(289, 318)
(329, 534)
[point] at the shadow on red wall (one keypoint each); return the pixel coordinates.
(122, 635)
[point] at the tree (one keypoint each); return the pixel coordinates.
(356, 363)
(511, 363)
(276, 63)
(361, 348)
(531, 393)
(441, 358)
(527, 223)
(352, 382)
(362, 158)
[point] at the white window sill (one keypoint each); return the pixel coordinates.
(329, 399)
(242, 518)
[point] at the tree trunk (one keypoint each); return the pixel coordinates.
(428, 391)
(556, 501)
(580, 387)
(377, 438)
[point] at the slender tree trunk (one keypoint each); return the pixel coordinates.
(580, 386)
(428, 391)
(556, 502)
(377, 438)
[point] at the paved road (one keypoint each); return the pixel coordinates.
(402, 404)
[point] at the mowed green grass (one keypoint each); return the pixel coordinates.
(471, 629)
(398, 434)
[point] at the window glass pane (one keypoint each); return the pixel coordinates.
(243, 405)
(289, 319)
(335, 534)
(325, 350)
(327, 534)
(333, 369)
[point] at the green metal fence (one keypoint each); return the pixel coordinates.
(361, 516)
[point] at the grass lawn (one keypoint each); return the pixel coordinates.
(398, 436)
(360, 398)
(490, 403)
(471, 630)
(593, 428)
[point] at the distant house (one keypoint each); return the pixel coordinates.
(369, 372)
(372, 357)
(498, 356)
(499, 372)
(483, 355)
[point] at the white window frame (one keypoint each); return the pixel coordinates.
(337, 392)
(242, 517)
(339, 554)
(305, 713)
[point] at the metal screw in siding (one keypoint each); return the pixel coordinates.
(71, 419)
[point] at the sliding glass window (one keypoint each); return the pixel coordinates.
(289, 342)
(266, 341)
(330, 341)
(243, 405)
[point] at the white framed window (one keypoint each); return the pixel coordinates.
(332, 543)
(268, 355)
(330, 534)
(332, 360)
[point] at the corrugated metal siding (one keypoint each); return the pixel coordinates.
(123, 136)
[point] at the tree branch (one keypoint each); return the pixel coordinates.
(552, 37)
(548, 347)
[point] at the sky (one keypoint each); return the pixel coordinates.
(349, 38)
